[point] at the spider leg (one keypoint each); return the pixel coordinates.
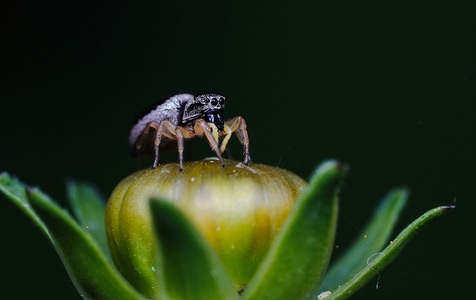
(143, 137)
(238, 125)
(214, 130)
(143, 140)
(228, 131)
(201, 127)
(169, 130)
(181, 133)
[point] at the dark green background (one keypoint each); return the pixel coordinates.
(386, 86)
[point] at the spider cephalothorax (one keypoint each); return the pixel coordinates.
(209, 107)
(184, 116)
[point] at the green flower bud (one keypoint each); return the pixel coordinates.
(238, 209)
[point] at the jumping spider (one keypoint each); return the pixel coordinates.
(184, 116)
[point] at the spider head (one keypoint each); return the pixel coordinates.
(209, 107)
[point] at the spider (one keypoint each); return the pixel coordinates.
(184, 116)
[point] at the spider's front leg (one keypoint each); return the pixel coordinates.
(210, 131)
(238, 125)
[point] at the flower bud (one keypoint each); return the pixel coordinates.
(238, 209)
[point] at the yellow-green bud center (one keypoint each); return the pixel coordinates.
(238, 209)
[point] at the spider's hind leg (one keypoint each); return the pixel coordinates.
(172, 132)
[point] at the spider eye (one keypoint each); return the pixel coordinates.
(206, 100)
(221, 100)
(214, 101)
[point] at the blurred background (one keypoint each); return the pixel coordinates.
(386, 86)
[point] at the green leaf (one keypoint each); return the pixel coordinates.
(300, 254)
(382, 259)
(88, 207)
(187, 267)
(91, 272)
(15, 191)
(372, 239)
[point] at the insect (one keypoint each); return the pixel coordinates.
(184, 116)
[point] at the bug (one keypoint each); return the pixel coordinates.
(184, 116)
